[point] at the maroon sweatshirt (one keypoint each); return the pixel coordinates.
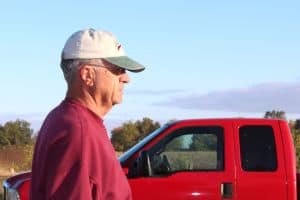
(74, 159)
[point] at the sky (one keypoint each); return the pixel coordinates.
(204, 59)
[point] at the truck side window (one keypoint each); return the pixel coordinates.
(189, 149)
(257, 147)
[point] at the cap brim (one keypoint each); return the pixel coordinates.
(126, 63)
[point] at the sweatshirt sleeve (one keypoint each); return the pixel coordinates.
(66, 177)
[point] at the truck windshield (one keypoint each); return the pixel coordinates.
(140, 144)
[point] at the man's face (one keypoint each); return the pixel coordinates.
(109, 83)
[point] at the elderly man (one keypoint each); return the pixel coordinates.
(73, 157)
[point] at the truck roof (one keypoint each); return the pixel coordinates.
(235, 119)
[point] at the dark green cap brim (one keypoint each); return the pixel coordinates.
(126, 63)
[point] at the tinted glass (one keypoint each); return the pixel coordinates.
(258, 151)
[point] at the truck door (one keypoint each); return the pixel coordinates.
(260, 167)
(194, 162)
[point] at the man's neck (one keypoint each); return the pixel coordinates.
(89, 102)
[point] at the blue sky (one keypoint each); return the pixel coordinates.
(204, 59)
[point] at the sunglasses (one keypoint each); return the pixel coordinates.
(113, 69)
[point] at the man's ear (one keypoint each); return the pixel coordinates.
(87, 75)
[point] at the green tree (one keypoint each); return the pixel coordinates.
(274, 114)
(16, 133)
(297, 124)
(124, 137)
(295, 131)
(145, 127)
(176, 144)
(3, 137)
(204, 142)
(130, 133)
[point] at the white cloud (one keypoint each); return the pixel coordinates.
(258, 98)
(252, 101)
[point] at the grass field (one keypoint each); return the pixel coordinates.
(192, 160)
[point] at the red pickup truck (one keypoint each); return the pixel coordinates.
(205, 159)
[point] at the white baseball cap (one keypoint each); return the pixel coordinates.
(91, 44)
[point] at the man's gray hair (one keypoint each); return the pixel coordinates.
(71, 66)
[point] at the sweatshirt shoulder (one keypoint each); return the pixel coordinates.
(62, 121)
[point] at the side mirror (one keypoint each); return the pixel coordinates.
(141, 167)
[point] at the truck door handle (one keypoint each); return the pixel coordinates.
(226, 190)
